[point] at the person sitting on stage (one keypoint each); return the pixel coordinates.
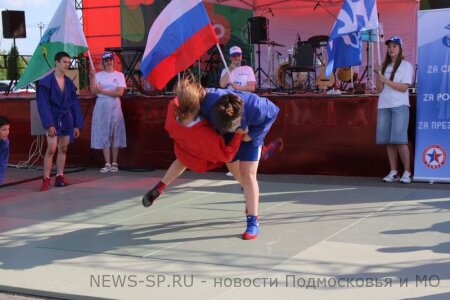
(242, 77)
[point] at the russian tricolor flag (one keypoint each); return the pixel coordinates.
(179, 36)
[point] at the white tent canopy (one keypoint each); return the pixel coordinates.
(307, 18)
(256, 4)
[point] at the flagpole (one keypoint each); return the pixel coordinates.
(223, 60)
(351, 78)
(93, 79)
(378, 46)
(370, 68)
(90, 60)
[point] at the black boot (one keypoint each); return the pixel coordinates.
(150, 197)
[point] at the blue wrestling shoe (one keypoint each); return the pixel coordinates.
(274, 147)
(60, 181)
(252, 230)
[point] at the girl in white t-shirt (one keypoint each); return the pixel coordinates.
(394, 78)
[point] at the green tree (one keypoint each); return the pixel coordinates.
(15, 64)
(3, 56)
(12, 68)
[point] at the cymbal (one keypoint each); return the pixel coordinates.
(273, 43)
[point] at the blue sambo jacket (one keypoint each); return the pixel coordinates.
(259, 112)
(56, 109)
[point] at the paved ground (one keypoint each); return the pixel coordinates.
(322, 238)
(10, 296)
(78, 175)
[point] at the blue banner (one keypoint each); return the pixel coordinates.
(433, 97)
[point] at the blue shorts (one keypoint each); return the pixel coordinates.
(392, 125)
(248, 152)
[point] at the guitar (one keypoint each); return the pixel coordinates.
(345, 74)
(324, 83)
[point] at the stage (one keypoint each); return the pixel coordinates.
(323, 134)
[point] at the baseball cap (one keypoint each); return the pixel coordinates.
(107, 55)
(235, 50)
(395, 39)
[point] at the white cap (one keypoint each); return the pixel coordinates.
(235, 50)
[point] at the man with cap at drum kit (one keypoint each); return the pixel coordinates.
(242, 77)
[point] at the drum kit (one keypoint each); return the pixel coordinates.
(281, 78)
(270, 57)
(293, 71)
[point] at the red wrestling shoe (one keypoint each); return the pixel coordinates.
(274, 147)
(45, 184)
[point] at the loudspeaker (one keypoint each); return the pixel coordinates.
(257, 30)
(304, 55)
(13, 24)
